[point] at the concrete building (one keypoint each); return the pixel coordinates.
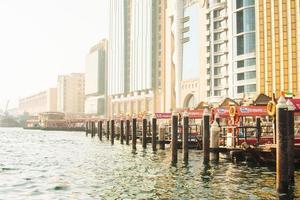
(278, 46)
(96, 80)
(45, 101)
(185, 54)
(231, 56)
(134, 64)
(193, 81)
(70, 93)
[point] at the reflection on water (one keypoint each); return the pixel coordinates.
(64, 165)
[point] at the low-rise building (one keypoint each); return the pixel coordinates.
(44, 101)
(70, 93)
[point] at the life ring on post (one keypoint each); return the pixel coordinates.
(271, 108)
(232, 111)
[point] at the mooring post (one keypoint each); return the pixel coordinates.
(161, 139)
(127, 131)
(107, 129)
(144, 133)
(282, 182)
(100, 130)
(112, 132)
(258, 128)
(206, 136)
(174, 139)
(154, 133)
(122, 132)
(214, 141)
(86, 128)
(93, 128)
(185, 144)
(291, 141)
(134, 133)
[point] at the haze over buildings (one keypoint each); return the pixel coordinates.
(168, 55)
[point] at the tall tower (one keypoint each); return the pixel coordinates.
(277, 24)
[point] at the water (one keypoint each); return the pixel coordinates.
(67, 165)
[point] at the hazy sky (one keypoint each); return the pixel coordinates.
(40, 39)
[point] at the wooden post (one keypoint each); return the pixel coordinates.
(282, 182)
(86, 128)
(214, 141)
(174, 139)
(291, 141)
(206, 136)
(134, 133)
(258, 128)
(154, 133)
(161, 140)
(185, 142)
(107, 129)
(122, 132)
(127, 131)
(93, 129)
(144, 133)
(100, 130)
(112, 134)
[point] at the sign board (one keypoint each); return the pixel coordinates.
(223, 112)
(252, 111)
(195, 114)
(163, 115)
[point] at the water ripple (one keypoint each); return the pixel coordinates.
(68, 165)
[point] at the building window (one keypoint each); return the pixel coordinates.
(208, 94)
(250, 88)
(217, 59)
(217, 92)
(217, 70)
(217, 82)
(240, 89)
(217, 25)
(217, 13)
(245, 20)
(217, 36)
(240, 76)
(208, 82)
(208, 60)
(246, 63)
(250, 75)
(217, 47)
(208, 71)
(243, 3)
(245, 43)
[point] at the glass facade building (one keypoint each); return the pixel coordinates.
(244, 59)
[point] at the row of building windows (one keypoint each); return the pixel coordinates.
(246, 88)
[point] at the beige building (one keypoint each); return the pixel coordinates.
(278, 46)
(96, 80)
(185, 54)
(135, 59)
(70, 93)
(41, 102)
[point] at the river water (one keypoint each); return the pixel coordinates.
(68, 165)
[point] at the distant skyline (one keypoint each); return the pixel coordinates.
(43, 39)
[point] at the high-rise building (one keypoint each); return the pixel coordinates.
(277, 25)
(193, 82)
(70, 93)
(119, 47)
(134, 64)
(231, 66)
(45, 101)
(96, 79)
